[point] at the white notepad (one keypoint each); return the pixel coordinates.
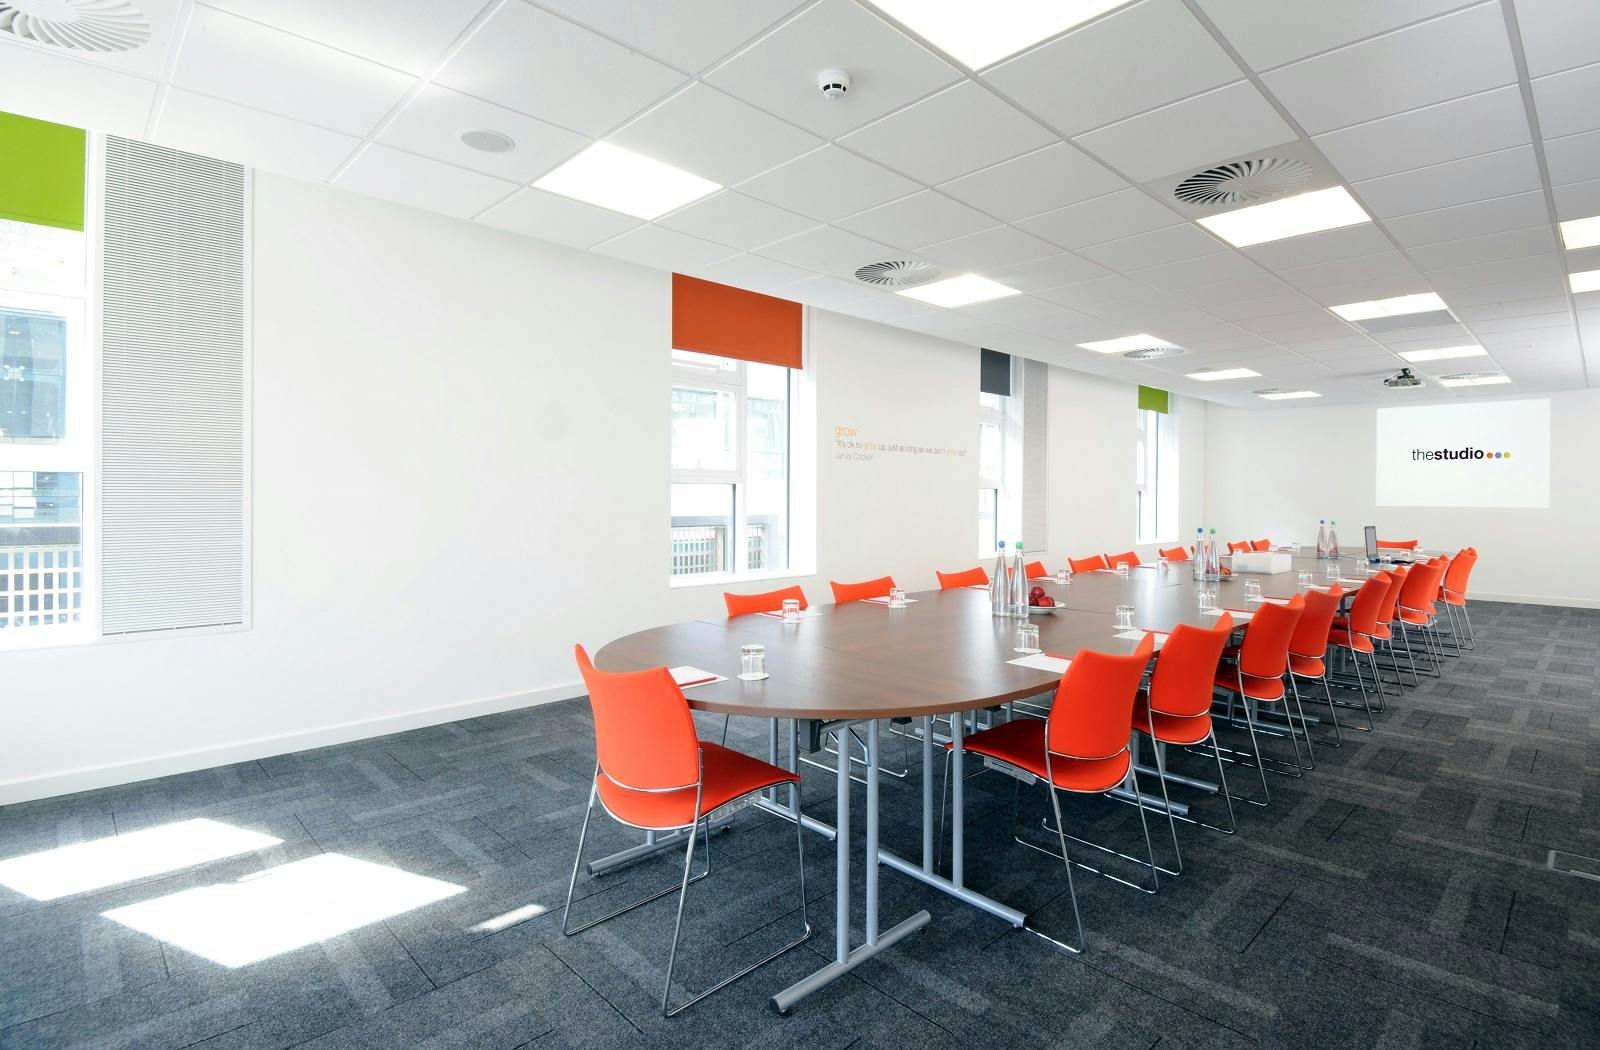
(687, 676)
(1237, 614)
(1042, 662)
(1269, 601)
(1135, 635)
(804, 614)
(884, 600)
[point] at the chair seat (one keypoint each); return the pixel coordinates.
(1359, 642)
(1255, 688)
(1417, 616)
(727, 775)
(1181, 730)
(1021, 744)
(1458, 600)
(1307, 666)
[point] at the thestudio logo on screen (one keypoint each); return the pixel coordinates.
(1431, 454)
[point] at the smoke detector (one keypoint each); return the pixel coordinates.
(897, 273)
(488, 141)
(1245, 182)
(833, 83)
(1150, 353)
(100, 26)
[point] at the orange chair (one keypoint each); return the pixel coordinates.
(1453, 592)
(1036, 570)
(1242, 547)
(1383, 629)
(1130, 557)
(769, 601)
(1176, 554)
(949, 580)
(1416, 610)
(1257, 678)
(1398, 545)
(1261, 545)
(1308, 648)
(1356, 635)
(1089, 564)
(1176, 709)
(652, 771)
(855, 592)
(1082, 747)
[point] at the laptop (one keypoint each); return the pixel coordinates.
(1372, 544)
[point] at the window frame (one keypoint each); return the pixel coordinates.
(688, 375)
(1155, 433)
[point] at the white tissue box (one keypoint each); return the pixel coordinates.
(1265, 563)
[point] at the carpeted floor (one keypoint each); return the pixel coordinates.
(1400, 896)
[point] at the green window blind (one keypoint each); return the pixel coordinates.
(1152, 400)
(41, 172)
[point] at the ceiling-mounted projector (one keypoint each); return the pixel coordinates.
(1405, 377)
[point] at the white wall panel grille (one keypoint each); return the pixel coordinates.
(173, 454)
(1035, 452)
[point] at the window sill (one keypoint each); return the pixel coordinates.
(725, 579)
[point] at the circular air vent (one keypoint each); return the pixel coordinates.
(488, 141)
(1150, 353)
(897, 273)
(1244, 181)
(77, 25)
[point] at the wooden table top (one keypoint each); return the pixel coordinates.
(944, 652)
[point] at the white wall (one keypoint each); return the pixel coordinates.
(1275, 472)
(460, 460)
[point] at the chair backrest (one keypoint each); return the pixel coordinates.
(1368, 603)
(1264, 653)
(966, 578)
(1421, 586)
(1181, 683)
(1176, 554)
(1089, 564)
(1310, 638)
(855, 592)
(1092, 714)
(1460, 571)
(644, 735)
(1398, 545)
(1391, 598)
(1036, 570)
(1241, 547)
(1131, 557)
(1261, 545)
(767, 601)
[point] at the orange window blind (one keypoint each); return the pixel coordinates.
(711, 318)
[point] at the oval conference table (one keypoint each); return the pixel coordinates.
(846, 667)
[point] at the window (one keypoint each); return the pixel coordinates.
(730, 465)
(46, 434)
(1155, 478)
(991, 471)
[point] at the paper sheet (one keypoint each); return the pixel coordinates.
(1042, 662)
(1136, 634)
(777, 615)
(885, 600)
(1269, 601)
(1238, 614)
(687, 676)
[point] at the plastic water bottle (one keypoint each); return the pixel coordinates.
(997, 584)
(1333, 540)
(1322, 537)
(1017, 591)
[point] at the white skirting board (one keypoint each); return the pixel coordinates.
(13, 791)
(1560, 601)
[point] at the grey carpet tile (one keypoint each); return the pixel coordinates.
(1397, 896)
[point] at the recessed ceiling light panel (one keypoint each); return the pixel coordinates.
(978, 35)
(1215, 374)
(1286, 395)
(1395, 307)
(1584, 281)
(965, 290)
(487, 141)
(1474, 379)
(1581, 233)
(1446, 353)
(1125, 344)
(1304, 213)
(625, 181)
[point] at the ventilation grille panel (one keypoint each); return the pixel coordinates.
(897, 273)
(1151, 353)
(1244, 182)
(100, 26)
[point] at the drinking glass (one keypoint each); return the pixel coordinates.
(1304, 577)
(1163, 565)
(752, 662)
(1064, 576)
(1027, 638)
(1252, 589)
(1207, 598)
(791, 610)
(1125, 617)
(1122, 568)
(1294, 547)
(897, 597)
(1333, 569)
